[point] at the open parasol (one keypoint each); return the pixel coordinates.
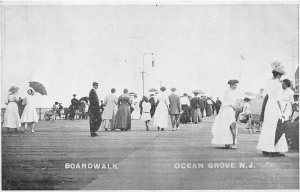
(199, 91)
(249, 94)
(153, 90)
(86, 99)
(38, 87)
(132, 94)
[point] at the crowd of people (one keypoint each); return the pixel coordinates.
(116, 112)
(279, 109)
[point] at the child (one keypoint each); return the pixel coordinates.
(146, 106)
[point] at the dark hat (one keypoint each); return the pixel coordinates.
(233, 81)
(74, 95)
(247, 99)
(185, 94)
(56, 102)
(173, 89)
(95, 83)
(163, 88)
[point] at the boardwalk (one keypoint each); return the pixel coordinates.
(145, 160)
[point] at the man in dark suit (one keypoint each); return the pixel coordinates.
(94, 110)
(218, 105)
(202, 104)
(174, 108)
(73, 107)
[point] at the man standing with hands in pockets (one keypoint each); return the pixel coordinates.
(174, 109)
(94, 109)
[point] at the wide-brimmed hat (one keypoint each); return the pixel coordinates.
(173, 89)
(95, 83)
(233, 81)
(13, 89)
(278, 67)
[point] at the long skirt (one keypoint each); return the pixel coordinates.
(123, 118)
(267, 136)
(196, 115)
(108, 122)
(161, 116)
(221, 127)
(11, 116)
(29, 114)
(208, 110)
(185, 116)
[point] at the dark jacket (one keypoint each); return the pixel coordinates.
(195, 103)
(94, 101)
(174, 104)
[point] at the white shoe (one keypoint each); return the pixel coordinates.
(173, 129)
(32, 130)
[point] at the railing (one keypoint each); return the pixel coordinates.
(40, 111)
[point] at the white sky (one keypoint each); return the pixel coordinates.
(68, 47)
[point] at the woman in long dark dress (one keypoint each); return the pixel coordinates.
(123, 116)
(195, 109)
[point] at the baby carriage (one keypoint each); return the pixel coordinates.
(49, 115)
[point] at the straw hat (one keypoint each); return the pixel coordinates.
(13, 89)
(278, 67)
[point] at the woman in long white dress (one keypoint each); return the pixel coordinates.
(161, 116)
(273, 112)
(110, 110)
(224, 127)
(136, 112)
(146, 106)
(29, 115)
(11, 117)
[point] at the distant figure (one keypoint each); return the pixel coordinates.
(175, 108)
(29, 116)
(208, 107)
(94, 110)
(146, 106)
(245, 114)
(287, 99)
(60, 108)
(161, 115)
(218, 105)
(123, 116)
(135, 105)
(195, 108)
(110, 110)
(153, 104)
(11, 116)
(73, 107)
(55, 110)
(202, 105)
(185, 106)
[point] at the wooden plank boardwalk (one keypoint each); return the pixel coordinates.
(145, 160)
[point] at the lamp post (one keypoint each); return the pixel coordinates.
(143, 72)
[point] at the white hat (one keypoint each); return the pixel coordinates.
(278, 67)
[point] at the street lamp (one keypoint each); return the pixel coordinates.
(143, 72)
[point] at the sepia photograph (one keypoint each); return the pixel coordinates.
(149, 95)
